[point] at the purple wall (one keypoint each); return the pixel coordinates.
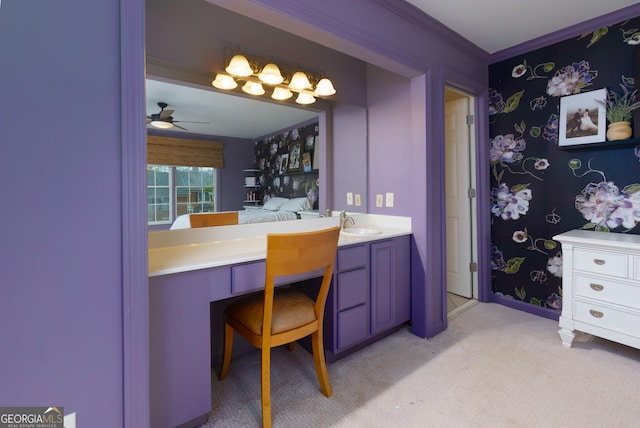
(61, 320)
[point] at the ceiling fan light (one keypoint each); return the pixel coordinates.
(299, 81)
(304, 99)
(281, 94)
(161, 124)
(239, 66)
(271, 75)
(222, 81)
(253, 88)
(324, 88)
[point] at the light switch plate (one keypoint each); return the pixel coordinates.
(379, 200)
(389, 201)
(358, 200)
(349, 198)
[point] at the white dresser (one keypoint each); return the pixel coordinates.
(600, 286)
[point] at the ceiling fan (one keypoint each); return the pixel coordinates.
(164, 118)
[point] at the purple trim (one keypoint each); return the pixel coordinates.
(134, 222)
(526, 307)
(428, 24)
(566, 33)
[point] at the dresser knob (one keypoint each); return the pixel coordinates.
(596, 314)
(599, 262)
(596, 287)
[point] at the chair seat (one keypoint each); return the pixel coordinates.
(291, 309)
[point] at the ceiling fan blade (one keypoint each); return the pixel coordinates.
(178, 126)
(166, 113)
(149, 119)
(188, 121)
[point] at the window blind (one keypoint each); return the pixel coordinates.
(184, 152)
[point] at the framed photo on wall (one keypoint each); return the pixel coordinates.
(284, 162)
(583, 119)
(295, 154)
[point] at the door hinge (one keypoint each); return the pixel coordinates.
(472, 193)
(469, 119)
(473, 267)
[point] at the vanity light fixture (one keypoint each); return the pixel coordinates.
(281, 81)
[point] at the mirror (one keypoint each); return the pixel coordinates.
(185, 43)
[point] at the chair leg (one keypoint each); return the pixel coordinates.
(321, 367)
(266, 386)
(228, 347)
(291, 346)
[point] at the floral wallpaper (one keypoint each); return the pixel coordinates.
(539, 190)
(285, 165)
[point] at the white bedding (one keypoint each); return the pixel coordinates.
(261, 216)
(244, 217)
(275, 209)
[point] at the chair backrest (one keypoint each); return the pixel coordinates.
(295, 253)
(213, 219)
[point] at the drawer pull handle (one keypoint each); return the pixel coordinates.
(596, 314)
(597, 287)
(599, 262)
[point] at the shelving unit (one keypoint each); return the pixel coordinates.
(251, 185)
(603, 145)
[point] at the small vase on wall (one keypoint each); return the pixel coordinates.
(619, 131)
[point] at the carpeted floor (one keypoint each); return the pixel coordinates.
(493, 367)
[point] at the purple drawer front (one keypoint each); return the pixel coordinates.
(247, 278)
(352, 326)
(352, 257)
(250, 277)
(352, 288)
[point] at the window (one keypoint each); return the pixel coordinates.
(174, 191)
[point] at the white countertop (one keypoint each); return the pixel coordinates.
(173, 251)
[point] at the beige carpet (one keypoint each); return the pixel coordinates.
(493, 367)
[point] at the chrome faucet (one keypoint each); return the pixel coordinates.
(344, 218)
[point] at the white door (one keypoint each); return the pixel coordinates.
(458, 210)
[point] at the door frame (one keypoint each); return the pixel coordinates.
(471, 170)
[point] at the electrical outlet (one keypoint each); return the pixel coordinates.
(349, 198)
(358, 201)
(379, 200)
(389, 201)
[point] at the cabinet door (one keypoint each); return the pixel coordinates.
(382, 286)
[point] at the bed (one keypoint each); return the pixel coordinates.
(275, 209)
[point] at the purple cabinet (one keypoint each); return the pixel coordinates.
(370, 295)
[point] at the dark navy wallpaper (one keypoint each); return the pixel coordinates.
(539, 190)
(285, 164)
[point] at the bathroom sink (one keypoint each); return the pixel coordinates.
(360, 231)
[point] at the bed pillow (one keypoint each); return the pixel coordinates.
(296, 204)
(274, 204)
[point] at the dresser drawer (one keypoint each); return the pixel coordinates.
(607, 317)
(603, 262)
(607, 290)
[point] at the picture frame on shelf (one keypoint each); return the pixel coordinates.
(284, 163)
(583, 119)
(306, 162)
(295, 156)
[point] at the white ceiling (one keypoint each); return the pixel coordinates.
(226, 115)
(492, 25)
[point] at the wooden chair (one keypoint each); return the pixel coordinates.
(213, 219)
(271, 319)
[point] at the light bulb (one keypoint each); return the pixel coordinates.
(239, 66)
(324, 88)
(270, 74)
(281, 94)
(253, 88)
(299, 81)
(304, 98)
(222, 81)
